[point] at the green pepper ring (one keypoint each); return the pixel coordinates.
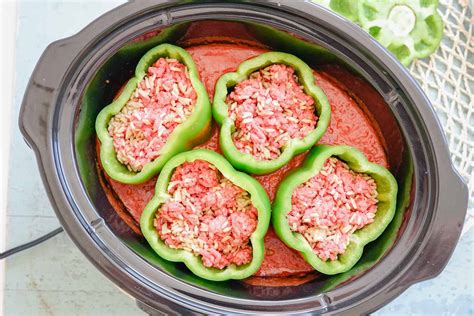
(374, 15)
(259, 199)
(422, 40)
(191, 132)
(387, 195)
(247, 162)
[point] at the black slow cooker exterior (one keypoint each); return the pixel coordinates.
(49, 119)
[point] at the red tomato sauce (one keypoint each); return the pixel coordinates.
(349, 126)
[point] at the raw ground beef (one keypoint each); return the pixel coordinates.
(328, 208)
(269, 109)
(163, 99)
(207, 215)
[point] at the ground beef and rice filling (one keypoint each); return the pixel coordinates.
(328, 208)
(163, 99)
(207, 215)
(269, 109)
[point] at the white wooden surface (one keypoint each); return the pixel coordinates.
(7, 37)
(53, 278)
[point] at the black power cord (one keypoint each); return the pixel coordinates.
(30, 244)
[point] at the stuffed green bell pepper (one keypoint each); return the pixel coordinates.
(163, 110)
(208, 215)
(269, 110)
(333, 205)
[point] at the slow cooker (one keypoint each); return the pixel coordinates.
(77, 76)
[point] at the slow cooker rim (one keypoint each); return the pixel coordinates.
(41, 154)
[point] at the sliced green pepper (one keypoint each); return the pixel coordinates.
(408, 28)
(259, 199)
(386, 195)
(246, 162)
(188, 134)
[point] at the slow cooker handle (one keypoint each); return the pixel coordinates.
(36, 110)
(446, 229)
(41, 92)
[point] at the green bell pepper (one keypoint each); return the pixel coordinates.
(246, 162)
(259, 199)
(387, 195)
(98, 92)
(188, 134)
(375, 251)
(346, 8)
(408, 28)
